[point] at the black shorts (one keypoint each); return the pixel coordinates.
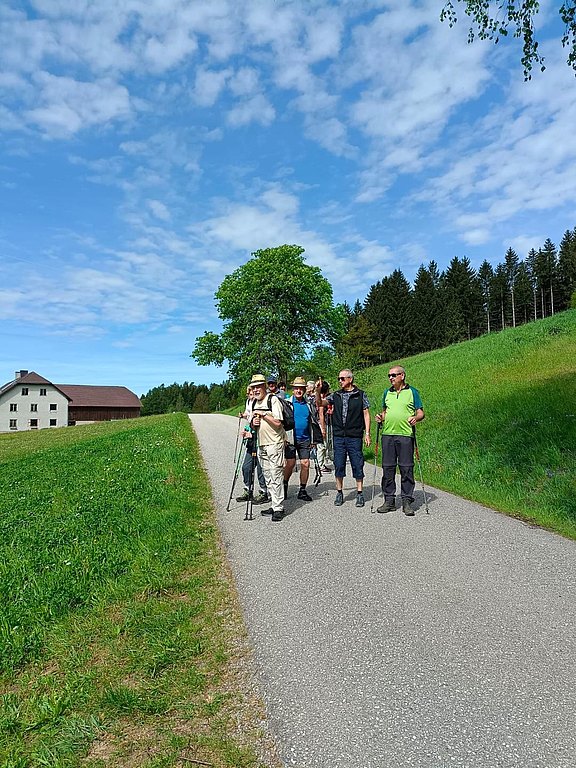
(302, 448)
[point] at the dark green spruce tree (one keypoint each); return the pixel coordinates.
(550, 275)
(567, 269)
(486, 276)
(524, 294)
(511, 262)
(428, 308)
(531, 262)
(375, 308)
(501, 297)
(461, 285)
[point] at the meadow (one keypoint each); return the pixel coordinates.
(500, 423)
(121, 642)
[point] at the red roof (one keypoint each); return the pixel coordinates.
(109, 397)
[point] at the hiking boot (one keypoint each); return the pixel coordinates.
(360, 499)
(260, 497)
(267, 511)
(388, 506)
(277, 515)
(339, 500)
(407, 507)
(304, 495)
(245, 496)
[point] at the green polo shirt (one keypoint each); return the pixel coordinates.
(399, 407)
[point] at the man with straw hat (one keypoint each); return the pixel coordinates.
(299, 440)
(267, 420)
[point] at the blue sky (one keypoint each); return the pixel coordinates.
(149, 146)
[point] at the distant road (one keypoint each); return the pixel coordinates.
(440, 641)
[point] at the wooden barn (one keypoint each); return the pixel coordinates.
(91, 403)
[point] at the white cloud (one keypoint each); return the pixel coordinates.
(256, 109)
(159, 210)
(209, 85)
(164, 52)
(70, 106)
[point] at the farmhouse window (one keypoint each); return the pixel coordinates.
(13, 424)
(13, 406)
(34, 423)
(52, 422)
(53, 406)
(24, 390)
(42, 393)
(34, 407)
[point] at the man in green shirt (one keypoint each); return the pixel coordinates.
(401, 410)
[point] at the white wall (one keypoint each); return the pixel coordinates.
(24, 414)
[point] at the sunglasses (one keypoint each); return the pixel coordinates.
(393, 375)
(343, 378)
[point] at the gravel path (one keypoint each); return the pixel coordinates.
(439, 641)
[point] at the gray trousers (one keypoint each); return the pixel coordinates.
(398, 450)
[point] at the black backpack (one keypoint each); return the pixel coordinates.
(287, 411)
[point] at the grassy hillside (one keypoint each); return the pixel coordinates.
(117, 621)
(500, 422)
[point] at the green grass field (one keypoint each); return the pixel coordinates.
(500, 423)
(118, 624)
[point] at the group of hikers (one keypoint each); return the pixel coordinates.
(315, 422)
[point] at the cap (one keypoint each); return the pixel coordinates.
(271, 380)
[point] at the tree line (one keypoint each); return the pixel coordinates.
(189, 398)
(460, 303)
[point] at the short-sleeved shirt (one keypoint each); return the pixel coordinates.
(399, 407)
(267, 434)
(301, 419)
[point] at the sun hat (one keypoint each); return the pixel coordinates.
(257, 379)
(299, 381)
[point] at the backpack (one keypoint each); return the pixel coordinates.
(287, 411)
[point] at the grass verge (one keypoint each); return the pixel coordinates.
(121, 642)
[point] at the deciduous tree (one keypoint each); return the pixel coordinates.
(273, 309)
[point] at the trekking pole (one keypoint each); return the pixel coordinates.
(236, 473)
(237, 437)
(417, 452)
(250, 501)
(318, 471)
(329, 438)
(376, 444)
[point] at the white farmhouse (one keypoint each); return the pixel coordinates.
(32, 402)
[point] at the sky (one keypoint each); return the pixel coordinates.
(148, 147)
